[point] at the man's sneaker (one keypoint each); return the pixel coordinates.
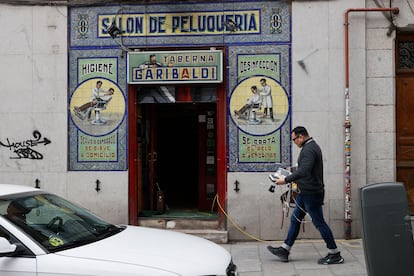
(331, 259)
(282, 253)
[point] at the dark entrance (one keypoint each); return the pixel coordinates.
(177, 145)
(178, 155)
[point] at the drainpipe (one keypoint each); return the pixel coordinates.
(347, 124)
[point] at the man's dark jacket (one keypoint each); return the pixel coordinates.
(309, 173)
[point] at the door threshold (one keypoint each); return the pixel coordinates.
(178, 214)
(180, 220)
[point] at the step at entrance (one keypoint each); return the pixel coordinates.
(208, 229)
(217, 236)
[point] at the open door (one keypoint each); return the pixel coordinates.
(152, 158)
(147, 165)
(207, 157)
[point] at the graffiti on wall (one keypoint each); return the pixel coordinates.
(25, 149)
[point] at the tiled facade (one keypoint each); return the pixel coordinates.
(40, 52)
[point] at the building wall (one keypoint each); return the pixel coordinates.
(318, 102)
(34, 81)
(34, 85)
(34, 106)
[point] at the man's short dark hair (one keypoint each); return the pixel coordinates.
(264, 80)
(99, 82)
(300, 130)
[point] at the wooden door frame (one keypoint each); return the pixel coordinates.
(133, 154)
(402, 74)
(132, 157)
(221, 151)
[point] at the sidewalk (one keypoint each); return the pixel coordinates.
(253, 259)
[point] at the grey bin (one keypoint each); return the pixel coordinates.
(387, 232)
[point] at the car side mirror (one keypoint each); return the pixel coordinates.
(6, 248)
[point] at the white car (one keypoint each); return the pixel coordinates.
(43, 234)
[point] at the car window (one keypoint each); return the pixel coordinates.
(21, 251)
(54, 222)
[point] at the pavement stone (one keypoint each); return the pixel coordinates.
(253, 259)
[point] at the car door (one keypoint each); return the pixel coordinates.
(23, 264)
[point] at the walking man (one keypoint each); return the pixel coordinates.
(309, 178)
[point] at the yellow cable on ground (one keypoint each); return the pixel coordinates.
(216, 199)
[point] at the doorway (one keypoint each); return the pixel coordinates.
(404, 114)
(177, 168)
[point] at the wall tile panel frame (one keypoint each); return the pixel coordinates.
(282, 129)
(266, 9)
(86, 41)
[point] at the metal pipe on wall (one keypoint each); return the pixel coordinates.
(347, 123)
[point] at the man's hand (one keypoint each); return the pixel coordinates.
(281, 180)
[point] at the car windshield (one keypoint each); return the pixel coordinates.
(54, 222)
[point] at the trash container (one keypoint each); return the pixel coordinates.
(387, 232)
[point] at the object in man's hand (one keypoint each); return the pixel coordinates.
(280, 171)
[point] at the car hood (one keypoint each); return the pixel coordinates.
(163, 249)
